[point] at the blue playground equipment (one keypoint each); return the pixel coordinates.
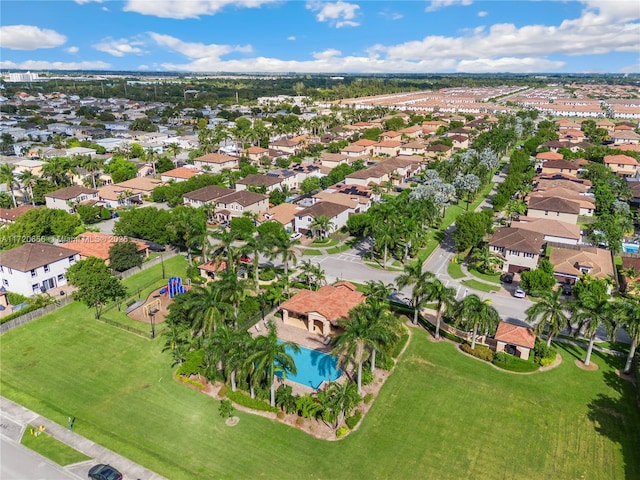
(175, 287)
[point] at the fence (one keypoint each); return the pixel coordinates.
(137, 331)
(148, 264)
(32, 315)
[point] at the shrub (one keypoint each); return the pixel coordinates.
(367, 376)
(514, 364)
(341, 432)
(353, 420)
(225, 409)
(189, 381)
(253, 403)
(542, 353)
(192, 364)
(280, 414)
(545, 362)
(16, 298)
(223, 391)
(368, 397)
(267, 275)
(482, 352)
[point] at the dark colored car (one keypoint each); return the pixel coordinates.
(155, 247)
(507, 278)
(104, 472)
(566, 289)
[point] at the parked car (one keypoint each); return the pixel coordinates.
(104, 472)
(399, 297)
(295, 236)
(155, 247)
(566, 289)
(519, 293)
(507, 278)
(245, 259)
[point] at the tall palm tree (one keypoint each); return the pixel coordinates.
(174, 148)
(340, 399)
(7, 178)
(271, 357)
(378, 290)
(549, 311)
(92, 165)
(28, 180)
(306, 271)
(322, 224)
(286, 248)
(227, 348)
(227, 238)
(416, 276)
(256, 245)
(477, 314)
(183, 226)
(385, 329)
(206, 309)
(384, 238)
(445, 298)
(590, 311)
(233, 291)
(629, 311)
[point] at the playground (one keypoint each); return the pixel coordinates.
(157, 303)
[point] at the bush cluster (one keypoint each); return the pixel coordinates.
(367, 376)
(192, 364)
(353, 420)
(514, 364)
(341, 432)
(246, 401)
(482, 352)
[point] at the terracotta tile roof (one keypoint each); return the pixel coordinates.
(216, 158)
(620, 160)
(67, 193)
(517, 239)
(548, 227)
(181, 172)
(568, 261)
(332, 302)
(33, 255)
(543, 185)
(364, 142)
(549, 156)
(387, 144)
(560, 164)
(283, 213)
(10, 214)
(553, 204)
(145, 184)
(515, 335)
(216, 265)
(206, 194)
(328, 209)
(96, 244)
(256, 150)
(567, 194)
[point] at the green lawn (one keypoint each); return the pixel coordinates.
(311, 251)
(53, 449)
(478, 285)
(455, 270)
(440, 415)
(491, 278)
(339, 249)
(326, 242)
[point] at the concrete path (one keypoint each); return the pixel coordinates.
(14, 419)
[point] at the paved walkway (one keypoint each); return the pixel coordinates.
(14, 419)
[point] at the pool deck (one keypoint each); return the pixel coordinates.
(290, 333)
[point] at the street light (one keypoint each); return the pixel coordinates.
(162, 262)
(152, 315)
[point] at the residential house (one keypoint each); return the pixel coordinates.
(97, 244)
(318, 312)
(283, 214)
(255, 154)
(543, 157)
(438, 151)
(390, 136)
(459, 142)
(34, 268)
(180, 174)
(267, 182)
(338, 215)
(622, 165)
(554, 208)
(607, 124)
(517, 340)
(355, 203)
(587, 203)
(216, 162)
(68, 197)
(519, 248)
(9, 215)
(332, 160)
(551, 230)
(389, 148)
(355, 151)
(412, 132)
(289, 145)
(412, 148)
(213, 269)
(625, 137)
(238, 203)
(394, 170)
(542, 184)
(206, 195)
(571, 262)
(552, 167)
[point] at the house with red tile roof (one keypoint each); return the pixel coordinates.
(216, 162)
(9, 215)
(180, 174)
(516, 340)
(318, 312)
(622, 165)
(545, 156)
(97, 244)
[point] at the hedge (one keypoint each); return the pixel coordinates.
(253, 403)
(482, 352)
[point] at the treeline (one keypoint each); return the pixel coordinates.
(519, 177)
(173, 193)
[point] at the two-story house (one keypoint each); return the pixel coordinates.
(337, 214)
(553, 207)
(622, 165)
(216, 162)
(34, 268)
(519, 248)
(570, 263)
(68, 197)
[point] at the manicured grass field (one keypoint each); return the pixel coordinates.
(483, 287)
(440, 415)
(311, 251)
(455, 270)
(53, 449)
(491, 278)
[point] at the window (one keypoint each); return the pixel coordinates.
(5, 282)
(557, 214)
(60, 277)
(35, 287)
(46, 268)
(72, 259)
(33, 273)
(528, 255)
(1, 269)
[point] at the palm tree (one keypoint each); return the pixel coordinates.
(233, 291)
(477, 314)
(385, 329)
(185, 229)
(378, 290)
(174, 148)
(590, 311)
(28, 180)
(7, 178)
(256, 245)
(445, 298)
(206, 309)
(227, 239)
(271, 357)
(516, 208)
(306, 271)
(286, 248)
(484, 261)
(322, 224)
(384, 238)
(340, 399)
(92, 165)
(227, 348)
(414, 275)
(629, 311)
(549, 311)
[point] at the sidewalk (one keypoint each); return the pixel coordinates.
(14, 419)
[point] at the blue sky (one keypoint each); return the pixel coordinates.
(421, 36)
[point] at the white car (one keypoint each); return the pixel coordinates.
(295, 236)
(519, 293)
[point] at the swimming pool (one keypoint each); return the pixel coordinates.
(630, 247)
(313, 367)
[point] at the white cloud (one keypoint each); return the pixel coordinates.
(181, 9)
(339, 14)
(120, 47)
(483, 13)
(509, 64)
(391, 15)
(437, 4)
(327, 54)
(143, 67)
(45, 65)
(291, 38)
(72, 50)
(631, 68)
(29, 37)
(197, 50)
(105, 9)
